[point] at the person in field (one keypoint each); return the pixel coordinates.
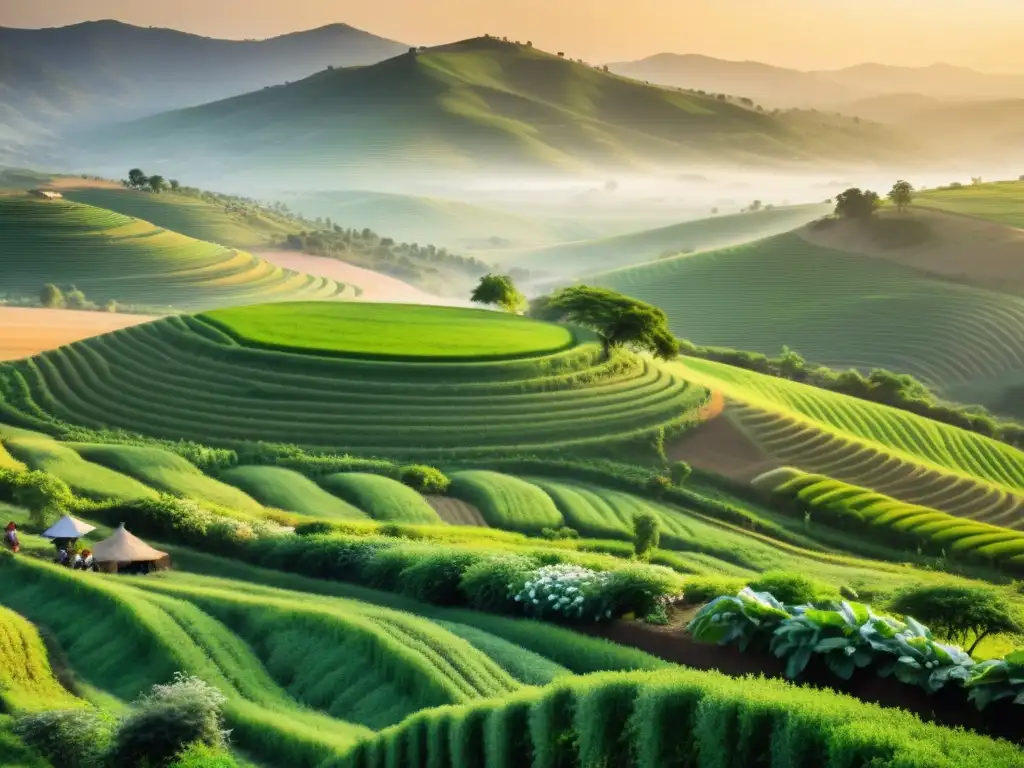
(83, 561)
(11, 537)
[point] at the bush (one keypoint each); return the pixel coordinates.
(424, 479)
(167, 720)
(74, 738)
(556, 534)
(314, 528)
(646, 534)
(200, 755)
(634, 589)
(701, 589)
(792, 588)
(679, 472)
(45, 496)
(436, 577)
(958, 613)
(489, 585)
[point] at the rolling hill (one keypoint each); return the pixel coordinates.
(369, 378)
(112, 257)
(477, 103)
(106, 70)
(839, 309)
(999, 202)
(584, 257)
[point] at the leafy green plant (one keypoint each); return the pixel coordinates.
(995, 680)
(424, 479)
(835, 634)
(646, 534)
(923, 662)
(959, 613)
(792, 588)
(738, 619)
(74, 738)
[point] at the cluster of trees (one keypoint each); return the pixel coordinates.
(500, 291)
(156, 184)
(899, 390)
(855, 203)
(52, 297)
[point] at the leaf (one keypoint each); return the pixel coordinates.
(841, 664)
(832, 644)
(797, 662)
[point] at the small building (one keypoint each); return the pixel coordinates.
(124, 553)
(46, 194)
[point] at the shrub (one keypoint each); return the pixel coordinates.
(657, 485)
(490, 585)
(997, 679)
(563, 591)
(555, 534)
(199, 755)
(167, 720)
(958, 613)
(701, 589)
(44, 495)
(646, 534)
(679, 472)
(436, 577)
(635, 589)
(74, 738)
(424, 479)
(792, 588)
(314, 528)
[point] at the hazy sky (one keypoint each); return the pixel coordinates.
(800, 33)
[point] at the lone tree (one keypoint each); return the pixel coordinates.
(856, 204)
(51, 296)
(958, 613)
(157, 184)
(500, 291)
(901, 194)
(137, 179)
(619, 320)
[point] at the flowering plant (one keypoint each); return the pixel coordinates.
(569, 591)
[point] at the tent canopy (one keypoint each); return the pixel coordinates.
(122, 547)
(68, 527)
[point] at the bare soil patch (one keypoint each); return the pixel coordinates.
(960, 248)
(455, 511)
(27, 331)
(375, 286)
(74, 182)
(718, 445)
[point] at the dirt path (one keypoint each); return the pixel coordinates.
(456, 511)
(960, 247)
(27, 331)
(375, 286)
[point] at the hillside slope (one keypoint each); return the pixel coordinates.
(111, 257)
(479, 103)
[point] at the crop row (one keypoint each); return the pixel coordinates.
(835, 308)
(865, 511)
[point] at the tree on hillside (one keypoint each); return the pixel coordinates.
(619, 320)
(960, 614)
(856, 204)
(500, 291)
(157, 184)
(51, 296)
(901, 195)
(174, 185)
(137, 179)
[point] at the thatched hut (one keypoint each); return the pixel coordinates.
(124, 553)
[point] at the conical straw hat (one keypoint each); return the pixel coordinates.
(122, 547)
(68, 527)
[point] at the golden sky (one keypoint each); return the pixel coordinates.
(807, 34)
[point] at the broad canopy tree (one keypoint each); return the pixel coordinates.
(499, 290)
(855, 203)
(619, 320)
(901, 195)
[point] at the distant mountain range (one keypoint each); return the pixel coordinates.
(480, 103)
(824, 89)
(104, 71)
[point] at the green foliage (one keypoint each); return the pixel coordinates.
(679, 471)
(562, 533)
(855, 203)
(646, 534)
(51, 296)
(618, 319)
(997, 679)
(506, 502)
(381, 497)
(45, 496)
(740, 619)
(489, 584)
(793, 588)
(901, 195)
(72, 738)
(499, 290)
(199, 755)
(957, 613)
(424, 479)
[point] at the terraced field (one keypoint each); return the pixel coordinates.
(868, 512)
(836, 309)
(187, 215)
(110, 256)
(183, 377)
(893, 452)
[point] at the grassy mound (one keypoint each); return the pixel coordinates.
(900, 454)
(288, 490)
(27, 683)
(381, 497)
(1001, 202)
(188, 215)
(109, 256)
(391, 330)
(185, 378)
(836, 309)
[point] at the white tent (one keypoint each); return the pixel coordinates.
(122, 547)
(68, 527)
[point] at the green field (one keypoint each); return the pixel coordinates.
(1001, 202)
(894, 452)
(596, 255)
(381, 497)
(288, 490)
(835, 309)
(391, 330)
(184, 378)
(110, 256)
(188, 216)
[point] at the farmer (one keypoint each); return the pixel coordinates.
(83, 561)
(11, 537)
